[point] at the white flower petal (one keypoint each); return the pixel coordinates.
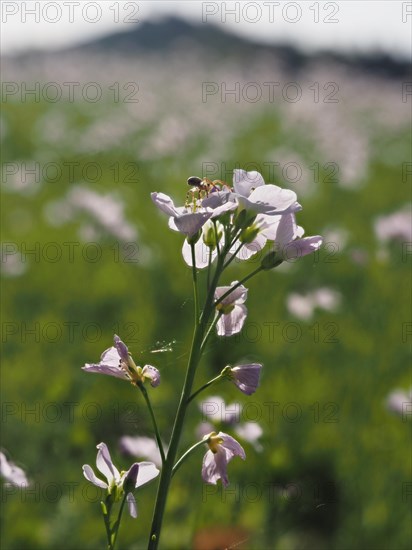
(110, 357)
(147, 472)
(90, 476)
(131, 504)
(104, 463)
(164, 203)
(245, 182)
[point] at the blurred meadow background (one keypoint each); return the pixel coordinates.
(85, 254)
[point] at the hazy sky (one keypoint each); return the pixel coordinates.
(345, 24)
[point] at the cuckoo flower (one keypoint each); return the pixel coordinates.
(252, 193)
(222, 448)
(117, 361)
(232, 310)
(287, 237)
(245, 377)
(190, 218)
(120, 482)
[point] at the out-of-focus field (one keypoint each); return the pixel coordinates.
(86, 254)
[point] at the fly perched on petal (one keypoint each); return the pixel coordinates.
(117, 361)
(117, 483)
(232, 309)
(222, 448)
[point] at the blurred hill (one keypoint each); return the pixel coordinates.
(166, 34)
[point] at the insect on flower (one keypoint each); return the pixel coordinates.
(205, 185)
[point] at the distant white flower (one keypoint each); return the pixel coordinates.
(303, 306)
(215, 409)
(141, 447)
(106, 211)
(12, 474)
(400, 402)
(395, 226)
(250, 432)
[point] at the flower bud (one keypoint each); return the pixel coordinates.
(244, 218)
(271, 261)
(210, 238)
(129, 483)
(194, 238)
(249, 234)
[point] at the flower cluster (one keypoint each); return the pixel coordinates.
(250, 213)
(220, 223)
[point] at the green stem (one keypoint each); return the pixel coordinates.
(185, 456)
(117, 524)
(194, 358)
(212, 326)
(209, 268)
(234, 287)
(106, 506)
(230, 260)
(194, 276)
(216, 238)
(213, 381)
(152, 415)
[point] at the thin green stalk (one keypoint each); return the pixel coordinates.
(194, 358)
(209, 268)
(234, 287)
(152, 415)
(216, 238)
(210, 329)
(194, 276)
(185, 456)
(106, 518)
(230, 260)
(213, 381)
(117, 524)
